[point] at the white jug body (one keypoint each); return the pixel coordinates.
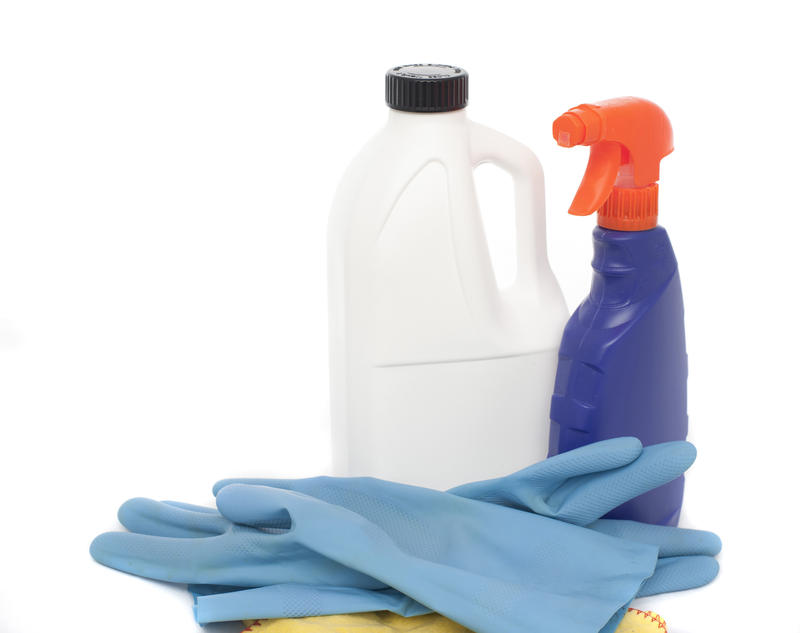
(438, 377)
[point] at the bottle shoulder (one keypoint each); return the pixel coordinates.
(655, 322)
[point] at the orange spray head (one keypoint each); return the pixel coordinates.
(629, 137)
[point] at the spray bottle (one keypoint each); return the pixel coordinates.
(622, 364)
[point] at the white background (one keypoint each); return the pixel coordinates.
(166, 170)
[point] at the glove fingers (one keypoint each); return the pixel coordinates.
(242, 557)
(364, 496)
(329, 489)
(190, 506)
(679, 574)
(156, 518)
(254, 481)
(328, 529)
(527, 489)
(584, 499)
(585, 460)
(262, 506)
(294, 601)
(255, 505)
(670, 541)
(189, 560)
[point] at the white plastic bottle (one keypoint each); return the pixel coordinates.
(437, 376)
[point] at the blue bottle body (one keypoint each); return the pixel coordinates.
(622, 367)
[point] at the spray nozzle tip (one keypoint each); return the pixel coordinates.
(569, 130)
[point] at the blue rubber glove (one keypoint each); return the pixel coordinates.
(163, 542)
(578, 486)
(487, 567)
(685, 562)
(564, 486)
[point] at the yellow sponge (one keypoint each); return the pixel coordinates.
(635, 621)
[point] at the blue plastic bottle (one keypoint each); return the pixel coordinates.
(622, 363)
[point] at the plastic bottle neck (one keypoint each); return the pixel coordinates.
(399, 118)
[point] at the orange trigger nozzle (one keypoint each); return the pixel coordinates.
(628, 138)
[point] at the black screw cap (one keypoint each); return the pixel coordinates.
(427, 88)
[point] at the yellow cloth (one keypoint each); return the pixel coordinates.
(635, 621)
(377, 622)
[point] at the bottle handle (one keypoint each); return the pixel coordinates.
(490, 146)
